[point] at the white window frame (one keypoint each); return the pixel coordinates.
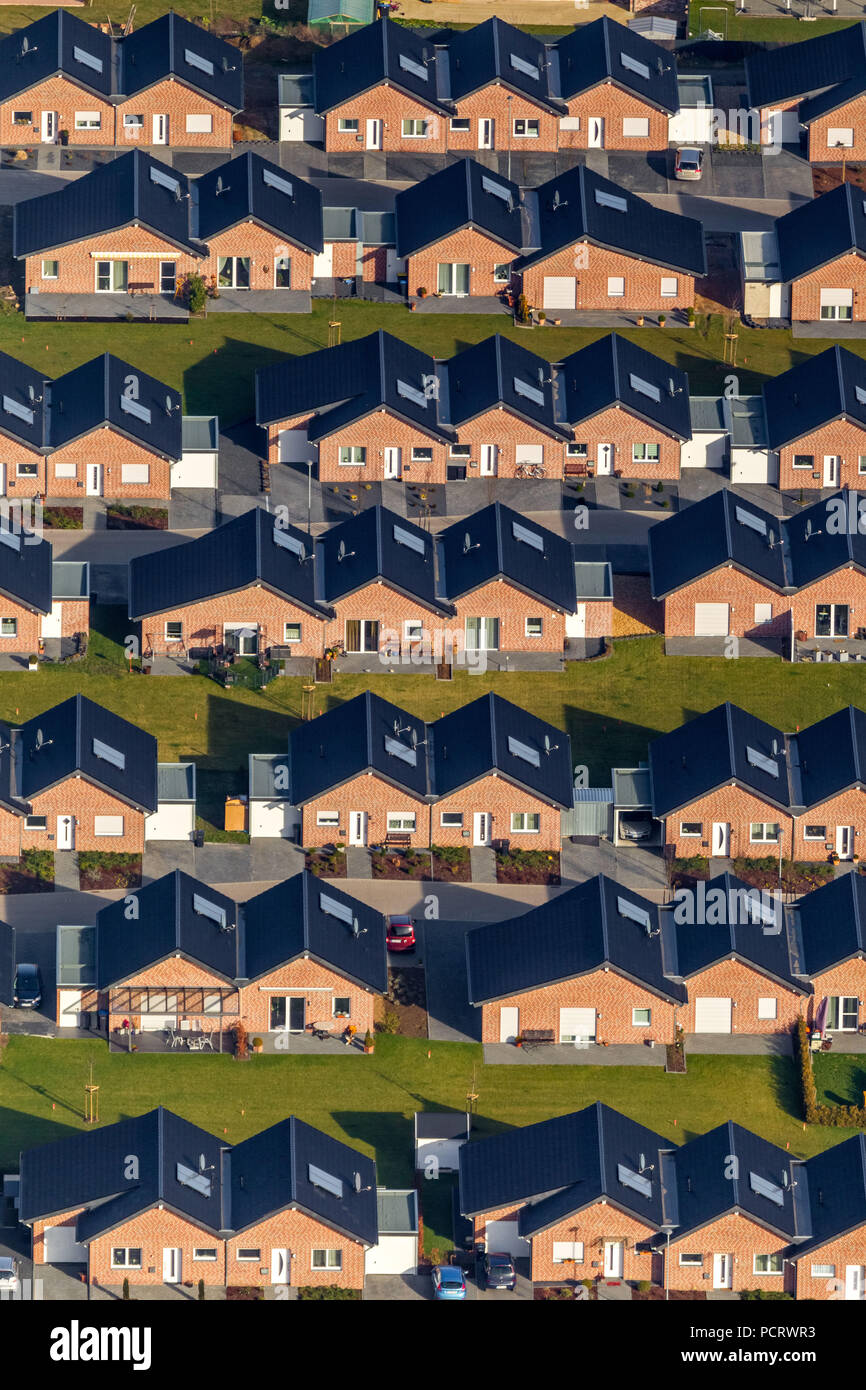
(577, 451)
(641, 453)
(290, 640)
(253, 1257)
(88, 120)
(132, 121)
(498, 277)
(422, 134)
(51, 261)
(28, 825)
(173, 622)
(348, 125)
(422, 454)
(691, 834)
(461, 125)
(639, 1023)
(330, 1264)
(768, 1273)
(199, 123)
(135, 474)
(822, 836)
(3, 624)
(691, 1259)
(526, 628)
(65, 470)
(400, 825)
(632, 134)
(201, 1254)
(759, 608)
(763, 839)
(454, 823)
(340, 999)
(329, 819)
(526, 133)
(351, 449)
(666, 291)
(840, 137)
(576, 1255)
(525, 829)
(26, 470)
(125, 1262)
(822, 1271)
(20, 118)
(768, 1006)
(108, 834)
(612, 282)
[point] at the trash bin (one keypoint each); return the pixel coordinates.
(198, 838)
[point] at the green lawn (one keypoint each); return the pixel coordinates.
(840, 1079)
(705, 14)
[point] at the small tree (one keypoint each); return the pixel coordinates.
(126, 1288)
(194, 294)
(201, 1291)
(522, 309)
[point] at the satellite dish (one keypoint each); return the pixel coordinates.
(467, 543)
(808, 531)
(169, 405)
(341, 550)
(356, 930)
(25, 45)
(784, 1179)
(202, 1162)
(413, 738)
(642, 1164)
(219, 187)
(40, 739)
(357, 1182)
(228, 67)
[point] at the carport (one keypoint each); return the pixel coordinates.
(397, 1250)
(632, 802)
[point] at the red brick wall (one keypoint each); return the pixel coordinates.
(385, 103)
(512, 607)
(467, 247)
(295, 1231)
(614, 105)
(317, 985)
(64, 98)
(591, 1226)
(731, 979)
(260, 245)
(847, 1250)
(844, 438)
(112, 450)
(499, 799)
(592, 265)
(174, 99)
(847, 809)
(849, 979)
(502, 105)
(736, 807)
(846, 273)
(203, 622)
(75, 796)
(606, 991)
(366, 793)
(742, 592)
(76, 270)
(731, 1235)
(850, 116)
(624, 430)
(75, 617)
(380, 603)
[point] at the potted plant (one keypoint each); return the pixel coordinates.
(640, 320)
(369, 1042)
(542, 317)
(257, 1044)
(690, 318)
(33, 663)
(663, 318)
(422, 291)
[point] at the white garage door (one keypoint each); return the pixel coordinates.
(61, 1248)
(393, 1255)
(783, 127)
(68, 1008)
(576, 1024)
(559, 291)
(712, 1015)
(294, 447)
(199, 468)
(711, 620)
(503, 1236)
(172, 820)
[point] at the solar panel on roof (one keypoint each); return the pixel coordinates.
(416, 69)
(745, 518)
(401, 750)
(288, 541)
(636, 1181)
(21, 412)
(860, 394)
(634, 66)
(610, 200)
(164, 180)
(326, 1181)
(497, 189)
(133, 407)
(521, 533)
(760, 760)
(532, 393)
(195, 61)
(205, 908)
(334, 908)
(87, 60)
(633, 912)
(274, 181)
(199, 1182)
(528, 69)
(411, 393)
(523, 750)
(409, 539)
(644, 388)
(10, 538)
(109, 754)
(765, 1188)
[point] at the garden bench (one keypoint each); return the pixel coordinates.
(576, 470)
(532, 1036)
(402, 838)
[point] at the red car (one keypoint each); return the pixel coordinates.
(400, 933)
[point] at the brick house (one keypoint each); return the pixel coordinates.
(580, 1197)
(169, 83)
(816, 421)
(829, 926)
(822, 245)
(45, 603)
(627, 409)
(588, 966)
(76, 777)
(820, 86)
(494, 87)
(830, 1263)
(596, 246)
(288, 1206)
(295, 955)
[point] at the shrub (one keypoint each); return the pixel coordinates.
(201, 1290)
(522, 309)
(644, 1285)
(390, 1023)
(308, 1293)
(241, 1041)
(126, 1288)
(193, 293)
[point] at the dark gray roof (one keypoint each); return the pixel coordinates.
(165, 47)
(297, 918)
(460, 195)
(837, 1193)
(718, 531)
(244, 551)
(339, 385)
(823, 538)
(733, 928)
(25, 569)
(831, 756)
(22, 402)
(397, 1211)
(719, 1172)
(297, 88)
(593, 53)
(493, 735)
(832, 924)
(498, 372)
(570, 211)
(822, 388)
(614, 371)
(562, 1165)
(169, 922)
(822, 230)
(485, 55)
(382, 52)
(714, 749)
(377, 544)
(134, 188)
(816, 67)
(504, 544)
(350, 740)
(441, 1124)
(579, 931)
(252, 188)
(176, 781)
(107, 391)
(52, 45)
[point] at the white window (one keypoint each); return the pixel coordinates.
(763, 612)
(65, 470)
(767, 1264)
(763, 832)
(199, 125)
(615, 286)
(690, 1258)
(27, 470)
(526, 130)
(135, 472)
(567, 1252)
(22, 117)
(460, 123)
(525, 822)
(803, 461)
(401, 821)
(108, 825)
(205, 1255)
(112, 277)
(414, 130)
(670, 287)
(413, 630)
(641, 1018)
(645, 453)
(174, 632)
(8, 627)
(88, 120)
(691, 829)
(248, 1254)
(451, 820)
(840, 135)
(327, 818)
(133, 122)
(837, 304)
(569, 123)
(50, 270)
(35, 822)
(352, 453)
(767, 1008)
(422, 455)
(347, 125)
(464, 451)
(502, 273)
(292, 632)
(533, 627)
(576, 451)
(327, 1259)
(823, 1271)
(635, 127)
(125, 1257)
(814, 832)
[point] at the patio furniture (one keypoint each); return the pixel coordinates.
(195, 1043)
(172, 1036)
(321, 1030)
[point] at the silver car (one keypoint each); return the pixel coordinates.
(689, 163)
(9, 1277)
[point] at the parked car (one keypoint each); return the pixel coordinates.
(636, 827)
(496, 1270)
(448, 1282)
(27, 989)
(689, 163)
(10, 1281)
(400, 933)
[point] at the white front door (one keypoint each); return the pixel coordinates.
(845, 841)
(855, 1281)
(723, 1271)
(605, 459)
(68, 1008)
(595, 137)
(393, 461)
(95, 475)
(575, 623)
(485, 133)
(357, 827)
(2, 480)
(281, 1266)
(171, 1265)
(720, 845)
(65, 832)
(481, 828)
(49, 127)
(323, 262)
(52, 623)
(160, 129)
(374, 135)
(489, 464)
(613, 1259)
(509, 1024)
(831, 470)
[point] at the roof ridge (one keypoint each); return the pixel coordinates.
(305, 915)
(605, 940)
(495, 22)
(606, 33)
(176, 877)
(467, 167)
(259, 523)
(614, 343)
(730, 732)
(726, 513)
(581, 184)
(854, 749)
(850, 209)
(602, 1156)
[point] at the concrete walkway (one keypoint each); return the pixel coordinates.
(556, 1055)
(740, 1044)
(482, 865)
(66, 870)
(358, 863)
